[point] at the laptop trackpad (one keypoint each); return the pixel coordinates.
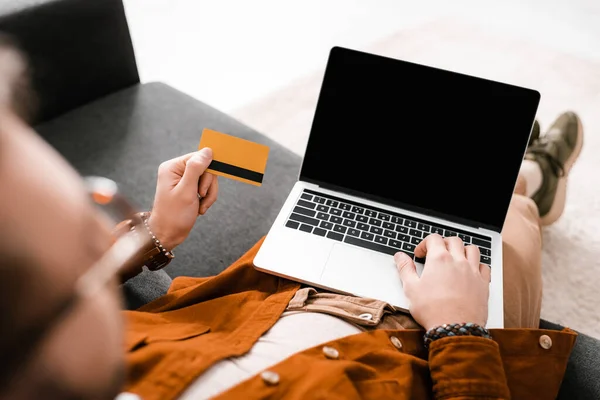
(364, 273)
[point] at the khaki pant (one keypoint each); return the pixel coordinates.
(522, 245)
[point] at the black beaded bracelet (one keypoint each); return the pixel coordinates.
(446, 330)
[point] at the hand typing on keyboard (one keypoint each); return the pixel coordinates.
(454, 286)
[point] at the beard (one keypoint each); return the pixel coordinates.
(55, 388)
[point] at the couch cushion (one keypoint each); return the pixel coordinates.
(125, 137)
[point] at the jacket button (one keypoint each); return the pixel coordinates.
(270, 377)
(330, 352)
(396, 342)
(366, 316)
(545, 342)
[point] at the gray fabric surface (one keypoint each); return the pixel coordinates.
(582, 377)
(144, 288)
(127, 135)
(79, 50)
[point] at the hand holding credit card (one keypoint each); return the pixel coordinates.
(235, 158)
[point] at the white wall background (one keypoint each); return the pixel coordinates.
(228, 53)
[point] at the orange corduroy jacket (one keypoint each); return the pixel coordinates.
(173, 340)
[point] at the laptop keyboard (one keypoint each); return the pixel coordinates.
(371, 228)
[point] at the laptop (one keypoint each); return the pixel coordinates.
(397, 151)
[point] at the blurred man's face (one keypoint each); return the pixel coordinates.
(46, 213)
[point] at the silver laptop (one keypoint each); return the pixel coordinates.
(398, 151)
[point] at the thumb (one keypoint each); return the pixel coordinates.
(406, 268)
(195, 167)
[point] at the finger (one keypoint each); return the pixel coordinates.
(486, 272)
(406, 268)
(171, 171)
(195, 167)
(205, 182)
(211, 196)
(456, 247)
(431, 244)
(472, 254)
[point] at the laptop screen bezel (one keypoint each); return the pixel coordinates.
(392, 202)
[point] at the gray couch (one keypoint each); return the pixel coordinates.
(97, 114)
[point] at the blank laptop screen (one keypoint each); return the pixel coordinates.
(418, 137)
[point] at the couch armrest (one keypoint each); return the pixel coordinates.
(80, 50)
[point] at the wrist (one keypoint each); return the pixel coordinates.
(455, 330)
(167, 241)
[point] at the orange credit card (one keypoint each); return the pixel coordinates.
(235, 158)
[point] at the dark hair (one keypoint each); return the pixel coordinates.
(15, 75)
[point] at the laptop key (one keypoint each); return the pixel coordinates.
(367, 235)
(415, 233)
(339, 228)
(439, 231)
(370, 245)
(448, 233)
(403, 237)
(381, 239)
(423, 227)
(374, 221)
(357, 210)
(323, 216)
(410, 224)
(292, 224)
(349, 222)
(362, 227)
(326, 225)
(306, 204)
(347, 214)
(319, 200)
(383, 217)
(408, 247)
(465, 238)
(345, 207)
(415, 240)
(362, 218)
(395, 243)
(332, 203)
(335, 236)
(420, 260)
(482, 243)
(377, 230)
(304, 218)
(401, 229)
(306, 228)
(390, 234)
(370, 213)
(484, 251)
(397, 220)
(304, 211)
(336, 220)
(354, 232)
(486, 260)
(322, 208)
(335, 211)
(319, 231)
(425, 234)
(388, 225)
(306, 196)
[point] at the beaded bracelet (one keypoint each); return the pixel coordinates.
(464, 329)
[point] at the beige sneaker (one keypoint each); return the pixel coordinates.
(556, 152)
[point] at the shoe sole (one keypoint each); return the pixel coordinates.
(560, 197)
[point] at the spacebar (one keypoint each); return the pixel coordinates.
(370, 245)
